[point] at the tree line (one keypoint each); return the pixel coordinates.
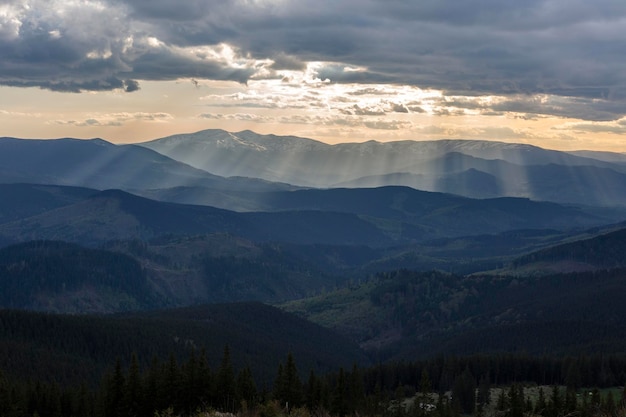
(438, 387)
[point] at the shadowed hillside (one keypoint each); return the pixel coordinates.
(50, 347)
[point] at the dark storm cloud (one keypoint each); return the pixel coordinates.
(286, 62)
(572, 49)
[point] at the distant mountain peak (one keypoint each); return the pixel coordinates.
(238, 141)
(468, 167)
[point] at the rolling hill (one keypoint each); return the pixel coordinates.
(113, 215)
(371, 217)
(18, 201)
(409, 214)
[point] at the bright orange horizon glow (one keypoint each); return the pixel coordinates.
(315, 109)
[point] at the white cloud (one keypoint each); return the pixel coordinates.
(116, 119)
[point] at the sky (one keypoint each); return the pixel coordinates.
(546, 72)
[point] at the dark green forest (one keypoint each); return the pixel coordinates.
(445, 386)
(36, 271)
(405, 327)
(71, 349)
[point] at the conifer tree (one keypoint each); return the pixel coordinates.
(555, 402)
(278, 392)
(464, 392)
(312, 396)
(115, 388)
(609, 404)
(170, 385)
(133, 391)
(484, 391)
(528, 406)
(205, 380)
(356, 390)
(4, 395)
(293, 385)
(585, 410)
(571, 402)
(152, 401)
(541, 406)
(516, 401)
(82, 403)
(423, 398)
(247, 387)
(339, 405)
(225, 384)
(502, 403)
(287, 386)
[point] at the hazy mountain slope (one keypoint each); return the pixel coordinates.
(475, 177)
(601, 156)
(407, 213)
(428, 209)
(280, 155)
(101, 165)
(374, 217)
(19, 201)
(115, 214)
(470, 168)
(243, 154)
(76, 349)
(467, 167)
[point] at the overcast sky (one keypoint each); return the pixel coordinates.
(546, 72)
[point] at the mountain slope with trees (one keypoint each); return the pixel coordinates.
(412, 314)
(115, 214)
(59, 276)
(372, 217)
(605, 251)
(79, 348)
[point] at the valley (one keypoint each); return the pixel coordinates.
(357, 255)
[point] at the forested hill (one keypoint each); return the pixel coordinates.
(407, 314)
(75, 349)
(60, 276)
(115, 214)
(601, 252)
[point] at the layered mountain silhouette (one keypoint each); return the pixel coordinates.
(102, 165)
(466, 167)
(115, 214)
(218, 216)
(224, 162)
(372, 217)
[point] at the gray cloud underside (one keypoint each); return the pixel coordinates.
(568, 48)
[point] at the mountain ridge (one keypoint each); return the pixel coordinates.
(99, 164)
(376, 217)
(504, 169)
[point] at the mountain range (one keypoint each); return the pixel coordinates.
(216, 164)
(102, 165)
(465, 167)
(402, 247)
